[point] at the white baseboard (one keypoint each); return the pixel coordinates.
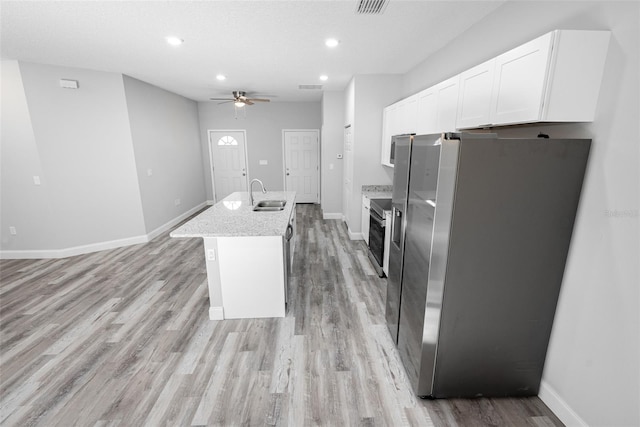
(216, 313)
(331, 215)
(167, 226)
(354, 236)
(99, 246)
(73, 251)
(559, 407)
(210, 202)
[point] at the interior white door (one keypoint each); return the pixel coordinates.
(229, 162)
(301, 164)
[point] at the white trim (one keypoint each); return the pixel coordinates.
(559, 407)
(210, 202)
(99, 246)
(216, 313)
(331, 215)
(284, 159)
(246, 159)
(73, 251)
(354, 236)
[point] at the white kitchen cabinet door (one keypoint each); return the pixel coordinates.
(364, 225)
(577, 65)
(474, 100)
(519, 82)
(447, 105)
(387, 129)
(408, 115)
(426, 121)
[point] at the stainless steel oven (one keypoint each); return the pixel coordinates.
(377, 227)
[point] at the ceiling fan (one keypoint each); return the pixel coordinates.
(240, 99)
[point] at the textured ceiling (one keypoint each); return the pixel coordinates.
(263, 47)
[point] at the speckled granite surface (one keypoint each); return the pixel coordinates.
(234, 216)
(377, 191)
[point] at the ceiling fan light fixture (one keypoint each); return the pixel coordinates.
(221, 77)
(239, 104)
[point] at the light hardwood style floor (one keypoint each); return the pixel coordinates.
(122, 337)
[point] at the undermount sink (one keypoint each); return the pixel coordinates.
(270, 205)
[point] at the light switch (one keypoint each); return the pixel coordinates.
(263, 162)
(149, 172)
(12, 231)
(211, 254)
(36, 180)
(330, 166)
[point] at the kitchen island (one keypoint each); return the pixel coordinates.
(248, 254)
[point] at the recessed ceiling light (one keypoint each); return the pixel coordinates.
(221, 77)
(324, 77)
(332, 42)
(174, 41)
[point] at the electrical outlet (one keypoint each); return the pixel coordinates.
(12, 231)
(177, 202)
(264, 162)
(36, 180)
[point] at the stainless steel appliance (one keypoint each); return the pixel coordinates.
(392, 154)
(377, 228)
(481, 230)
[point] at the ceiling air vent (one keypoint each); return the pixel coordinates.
(371, 7)
(312, 87)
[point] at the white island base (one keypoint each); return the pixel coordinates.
(245, 276)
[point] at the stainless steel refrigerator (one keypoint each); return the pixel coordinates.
(480, 234)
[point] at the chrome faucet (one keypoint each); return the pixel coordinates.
(251, 189)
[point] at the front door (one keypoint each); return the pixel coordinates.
(301, 164)
(228, 161)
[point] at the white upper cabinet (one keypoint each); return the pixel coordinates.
(437, 108)
(408, 114)
(389, 125)
(447, 108)
(519, 80)
(427, 115)
(554, 78)
(474, 101)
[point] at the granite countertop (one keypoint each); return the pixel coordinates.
(234, 216)
(377, 191)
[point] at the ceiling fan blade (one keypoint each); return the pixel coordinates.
(248, 101)
(259, 100)
(226, 102)
(221, 99)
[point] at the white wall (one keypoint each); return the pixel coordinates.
(24, 206)
(264, 124)
(166, 142)
(331, 146)
(592, 373)
(371, 93)
(84, 147)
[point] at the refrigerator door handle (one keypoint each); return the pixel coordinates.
(396, 232)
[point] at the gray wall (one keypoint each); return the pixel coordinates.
(371, 93)
(166, 142)
(24, 206)
(263, 124)
(592, 363)
(83, 144)
(332, 145)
